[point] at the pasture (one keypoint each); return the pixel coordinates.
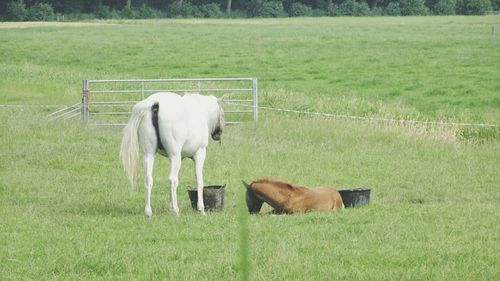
(67, 211)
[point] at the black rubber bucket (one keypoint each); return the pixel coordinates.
(355, 197)
(213, 197)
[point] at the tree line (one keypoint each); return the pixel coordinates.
(41, 10)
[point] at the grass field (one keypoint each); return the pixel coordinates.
(67, 212)
(439, 68)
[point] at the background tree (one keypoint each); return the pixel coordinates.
(495, 5)
(444, 7)
(19, 9)
(473, 7)
(413, 7)
(16, 11)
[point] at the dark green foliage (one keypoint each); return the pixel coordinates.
(392, 9)
(473, 7)
(413, 8)
(40, 12)
(180, 9)
(265, 9)
(142, 12)
(146, 12)
(377, 11)
(298, 9)
(74, 6)
(235, 14)
(495, 5)
(211, 10)
(353, 8)
(331, 10)
(16, 11)
(103, 12)
(20, 10)
(444, 7)
(129, 13)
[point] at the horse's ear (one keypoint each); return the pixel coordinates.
(245, 184)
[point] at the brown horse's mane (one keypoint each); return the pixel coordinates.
(280, 183)
(277, 182)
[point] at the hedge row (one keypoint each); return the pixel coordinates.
(43, 11)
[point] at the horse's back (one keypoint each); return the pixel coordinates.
(328, 198)
(171, 106)
(317, 199)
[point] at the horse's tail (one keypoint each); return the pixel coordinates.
(129, 151)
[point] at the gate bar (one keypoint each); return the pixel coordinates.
(86, 91)
(171, 80)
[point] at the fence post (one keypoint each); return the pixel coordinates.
(255, 99)
(85, 101)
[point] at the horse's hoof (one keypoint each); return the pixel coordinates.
(148, 212)
(202, 210)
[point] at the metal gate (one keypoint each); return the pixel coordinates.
(110, 102)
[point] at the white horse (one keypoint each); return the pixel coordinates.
(176, 127)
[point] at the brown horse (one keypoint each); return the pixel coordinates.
(288, 198)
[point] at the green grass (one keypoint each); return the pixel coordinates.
(67, 211)
(438, 68)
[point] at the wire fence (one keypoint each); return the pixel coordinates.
(24, 106)
(305, 112)
(378, 119)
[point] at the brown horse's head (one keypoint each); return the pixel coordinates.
(254, 203)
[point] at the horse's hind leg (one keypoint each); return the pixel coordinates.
(175, 166)
(148, 166)
(199, 160)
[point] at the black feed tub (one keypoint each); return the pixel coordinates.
(213, 197)
(355, 197)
